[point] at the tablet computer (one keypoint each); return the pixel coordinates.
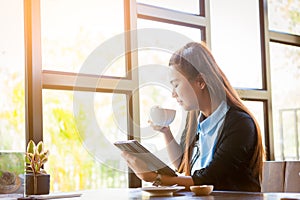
(154, 163)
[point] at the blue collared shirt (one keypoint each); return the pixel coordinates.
(208, 131)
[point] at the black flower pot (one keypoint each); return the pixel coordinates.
(39, 184)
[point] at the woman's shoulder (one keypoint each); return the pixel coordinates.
(239, 125)
(236, 113)
(238, 117)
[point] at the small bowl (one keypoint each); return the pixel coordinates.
(202, 190)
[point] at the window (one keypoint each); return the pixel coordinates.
(71, 33)
(153, 62)
(12, 87)
(286, 106)
(285, 75)
(257, 108)
(190, 32)
(190, 6)
(284, 16)
(12, 73)
(236, 42)
(87, 162)
(81, 51)
(65, 39)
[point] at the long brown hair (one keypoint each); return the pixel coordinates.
(194, 59)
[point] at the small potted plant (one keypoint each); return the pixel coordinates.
(37, 181)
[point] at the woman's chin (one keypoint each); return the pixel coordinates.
(186, 107)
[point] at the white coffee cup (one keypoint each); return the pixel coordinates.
(162, 116)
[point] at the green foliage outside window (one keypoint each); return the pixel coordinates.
(12, 162)
(70, 164)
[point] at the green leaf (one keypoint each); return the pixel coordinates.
(27, 161)
(36, 168)
(35, 156)
(40, 147)
(29, 171)
(47, 153)
(29, 157)
(42, 156)
(44, 160)
(31, 147)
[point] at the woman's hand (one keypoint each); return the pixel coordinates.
(139, 167)
(174, 149)
(163, 129)
(141, 170)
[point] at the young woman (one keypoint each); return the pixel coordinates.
(222, 143)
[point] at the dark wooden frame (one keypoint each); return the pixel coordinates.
(37, 79)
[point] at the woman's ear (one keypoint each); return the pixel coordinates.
(200, 81)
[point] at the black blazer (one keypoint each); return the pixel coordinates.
(230, 165)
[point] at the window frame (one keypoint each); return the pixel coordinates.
(37, 79)
(284, 38)
(275, 37)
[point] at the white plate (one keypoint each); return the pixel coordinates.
(162, 191)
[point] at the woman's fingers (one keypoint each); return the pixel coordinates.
(124, 154)
(139, 167)
(162, 129)
(136, 164)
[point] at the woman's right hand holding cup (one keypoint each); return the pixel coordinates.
(163, 129)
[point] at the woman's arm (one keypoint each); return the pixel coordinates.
(141, 170)
(186, 181)
(173, 148)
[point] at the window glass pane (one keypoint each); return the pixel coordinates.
(83, 140)
(257, 109)
(150, 57)
(152, 95)
(235, 41)
(12, 73)
(192, 33)
(284, 16)
(190, 6)
(285, 72)
(72, 30)
(155, 90)
(155, 94)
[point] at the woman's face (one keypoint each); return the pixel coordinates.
(183, 90)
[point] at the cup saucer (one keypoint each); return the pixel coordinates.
(162, 191)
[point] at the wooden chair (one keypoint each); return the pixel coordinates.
(281, 176)
(292, 176)
(273, 176)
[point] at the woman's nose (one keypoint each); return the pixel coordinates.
(174, 94)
